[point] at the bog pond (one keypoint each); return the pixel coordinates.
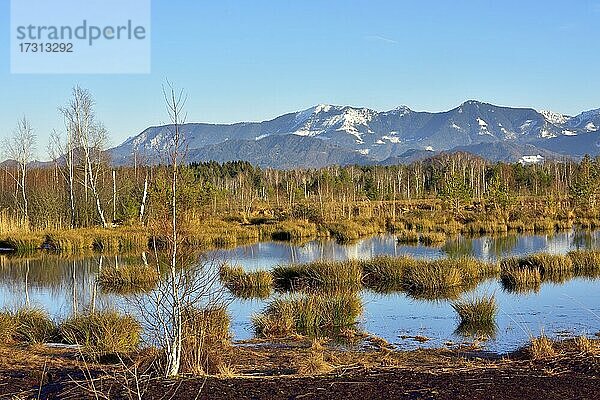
(61, 284)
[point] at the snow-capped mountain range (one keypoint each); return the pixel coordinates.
(328, 134)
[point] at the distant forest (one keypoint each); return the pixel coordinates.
(87, 191)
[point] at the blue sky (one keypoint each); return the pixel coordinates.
(254, 60)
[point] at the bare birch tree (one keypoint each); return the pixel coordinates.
(175, 105)
(62, 152)
(19, 148)
(164, 311)
(90, 138)
(189, 282)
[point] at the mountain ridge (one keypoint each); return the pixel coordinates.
(375, 136)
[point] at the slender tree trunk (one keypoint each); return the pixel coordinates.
(92, 182)
(144, 196)
(24, 195)
(71, 191)
(114, 177)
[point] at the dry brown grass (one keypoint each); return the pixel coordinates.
(586, 346)
(541, 347)
(313, 364)
(101, 333)
(8, 327)
(243, 284)
(128, 278)
(205, 338)
(226, 370)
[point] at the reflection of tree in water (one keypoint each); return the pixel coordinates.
(46, 273)
(583, 239)
(497, 246)
(459, 247)
(56, 278)
(500, 246)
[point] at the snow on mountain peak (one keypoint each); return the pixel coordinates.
(400, 111)
(322, 108)
(554, 118)
(323, 117)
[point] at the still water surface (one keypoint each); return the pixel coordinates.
(560, 310)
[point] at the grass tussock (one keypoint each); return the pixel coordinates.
(102, 333)
(484, 227)
(544, 225)
(521, 280)
(586, 263)
(477, 311)
(432, 238)
(385, 273)
(541, 347)
(474, 270)
(425, 277)
(348, 231)
(294, 230)
(226, 370)
(318, 274)
(432, 276)
(553, 267)
(408, 237)
(313, 364)
(27, 325)
(308, 314)
(128, 278)
(205, 337)
(520, 272)
(586, 346)
(256, 284)
(8, 327)
(426, 238)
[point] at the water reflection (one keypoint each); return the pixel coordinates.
(268, 254)
(64, 284)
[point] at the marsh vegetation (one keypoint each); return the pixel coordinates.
(172, 213)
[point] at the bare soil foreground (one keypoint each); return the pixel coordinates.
(309, 371)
